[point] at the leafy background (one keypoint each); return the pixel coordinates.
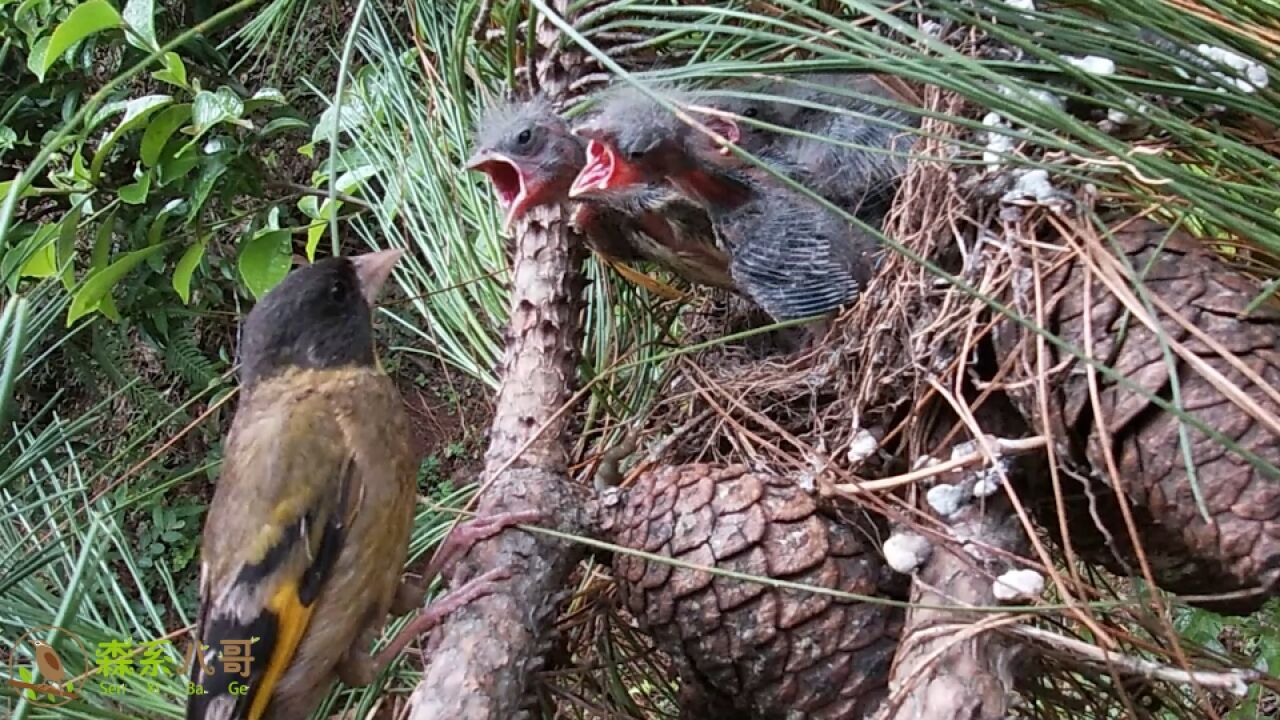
(164, 165)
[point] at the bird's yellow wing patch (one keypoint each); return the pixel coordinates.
(292, 618)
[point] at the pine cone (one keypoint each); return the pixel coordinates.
(1239, 547)
(747, 647)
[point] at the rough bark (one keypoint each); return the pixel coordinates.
(944, 669)
(484, 653)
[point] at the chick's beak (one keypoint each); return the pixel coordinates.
(508, 181)
(373, 269)
(600, 172)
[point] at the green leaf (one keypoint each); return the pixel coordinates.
(174, 72)
(281, 125)
(213, 169)
(35, 58)
(102, 243)
(67, 245)
(160, 129)
(139, 15)
(264, 98)
(156, 229)
(264, 261)
(209, 109)
(353, 114)
(41, 252)
(185, 268)
(136, 193)
(316, 230)
(86, 19)
(8, 139)
(136, 112)
(99, 283)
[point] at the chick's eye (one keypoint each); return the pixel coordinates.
(338, 291)
(750, 112)
(525, 136)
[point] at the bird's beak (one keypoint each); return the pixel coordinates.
(599, 172)
(508, 181)
(373, 269)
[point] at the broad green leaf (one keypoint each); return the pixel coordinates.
(213, 169)
(41, 252)
(136, 113)
(156, 229)
(86, 19)
(43, 262)
(264, 98)
(7, 186)
(174, 72)
(67, 245)
(264, 261)
(211, 108)
(309, 205)
(8, 139)
(102, 243)
(15, 261)
(349, 181)
(175, 167)
(35, 58)
(281, 125)
(99, 283)
(136, 193)
(353, 114)
(139, 15)
(185, 268)
(160, 129)
(316, 230)
(100, 115)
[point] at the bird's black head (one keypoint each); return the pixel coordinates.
(528, 153)
(320, 316)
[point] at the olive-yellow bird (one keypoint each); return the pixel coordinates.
(308, 530)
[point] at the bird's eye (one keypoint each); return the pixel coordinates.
(750, 112)
(338, 291)
(525, 136)
(636, 154)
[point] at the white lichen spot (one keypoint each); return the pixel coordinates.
(931, 28)
(964, 449)
(1119, 117)
(1034, 184)
(1092, 64)
(1044, 97)
(1250, 74)
(1018, 585)
(924, 461)
(997, 142)
(906, 552)
(946, 500)
(862, 446)
(987, 482)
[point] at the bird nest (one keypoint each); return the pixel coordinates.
(1012, 340)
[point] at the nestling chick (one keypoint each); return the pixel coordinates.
(531, 157)
(790, 255)
(864, 152)
(308, 530)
